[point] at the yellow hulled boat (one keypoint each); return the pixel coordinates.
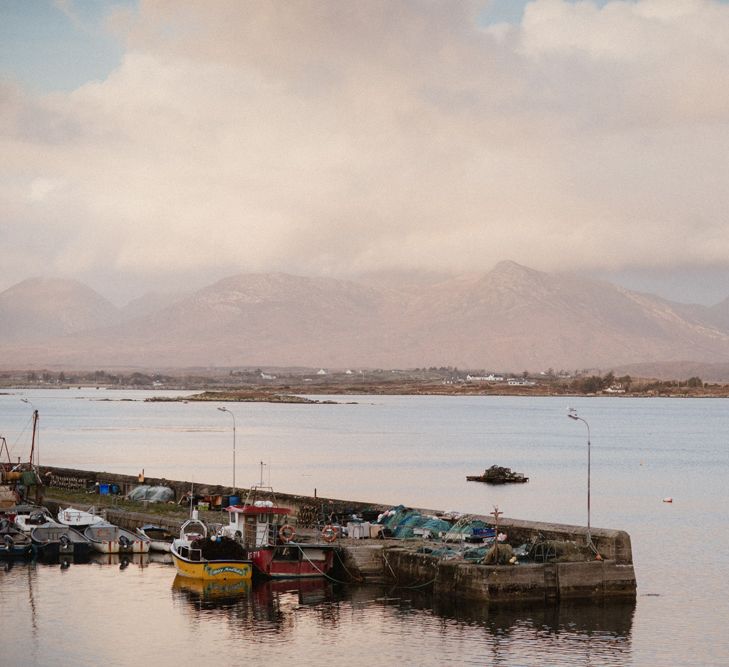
(216, 558)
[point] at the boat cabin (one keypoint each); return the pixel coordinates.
(260, 524)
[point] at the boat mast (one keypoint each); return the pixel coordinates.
(32, 441)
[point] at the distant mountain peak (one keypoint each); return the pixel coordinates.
(511, 317)
(42, 307)
(511, 268)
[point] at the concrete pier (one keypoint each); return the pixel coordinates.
(509, 583)
(581, 577)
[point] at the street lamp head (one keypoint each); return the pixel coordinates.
(223, 409)
(572, 413)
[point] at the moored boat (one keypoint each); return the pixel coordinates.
(13, 543)
(53, 540)
(160, 538)
(216, 558)
(265, 531)
(75, 518)
(109, 539)
(29, 517)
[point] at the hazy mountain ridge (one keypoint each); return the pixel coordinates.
(40, 308)
(510, 318)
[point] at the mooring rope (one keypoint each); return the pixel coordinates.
(324, 574)
(423, 585)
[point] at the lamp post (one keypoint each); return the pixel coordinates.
(572, 414)
(233, 416)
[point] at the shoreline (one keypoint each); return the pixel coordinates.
(300, 394)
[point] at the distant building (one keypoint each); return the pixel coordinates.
(266, 376)
(484, 378)
(519, 382)
(321, 371)
(615, 389)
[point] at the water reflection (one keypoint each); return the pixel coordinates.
(260, 606)
(293, 615)
(588, 632)
(121, 560)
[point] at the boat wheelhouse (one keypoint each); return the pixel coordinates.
(263, 528)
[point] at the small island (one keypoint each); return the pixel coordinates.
(240, 396)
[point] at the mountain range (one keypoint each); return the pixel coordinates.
(510, 318)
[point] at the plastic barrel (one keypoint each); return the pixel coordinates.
(104, 489)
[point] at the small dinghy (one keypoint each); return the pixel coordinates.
(53, 540)
(109, 539)
(13, 543)
(160, 538)
(34, 517)
(79, 519)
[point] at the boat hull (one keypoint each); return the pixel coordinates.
(15, 551)
(49, 545)
(79, 519)
(294, 560)
(160, 539)
(212, 570)
(108, 539)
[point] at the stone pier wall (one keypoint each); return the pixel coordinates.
(72, 479)
(510, 583)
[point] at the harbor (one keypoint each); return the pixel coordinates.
(387, 454)
(458, 556)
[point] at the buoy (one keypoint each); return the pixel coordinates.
(668, 500)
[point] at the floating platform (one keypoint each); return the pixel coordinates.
(498, 475)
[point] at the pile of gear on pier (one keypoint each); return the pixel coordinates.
(453, 535)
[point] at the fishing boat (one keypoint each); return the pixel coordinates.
(211, 558)
(79, 519)
(13, 543)
(160, 538)
(109, 539)
(264, 529)
(53, 540)
(20, 482)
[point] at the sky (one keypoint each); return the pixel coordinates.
(163, 145)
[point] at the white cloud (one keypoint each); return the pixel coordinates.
(328, 137)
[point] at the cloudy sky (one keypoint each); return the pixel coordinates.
(160, 144)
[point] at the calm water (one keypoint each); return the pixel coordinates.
(411, 450)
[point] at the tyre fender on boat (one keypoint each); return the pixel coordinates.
(286, 532)
(329, 533)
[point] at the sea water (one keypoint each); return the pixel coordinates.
(411, 450)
